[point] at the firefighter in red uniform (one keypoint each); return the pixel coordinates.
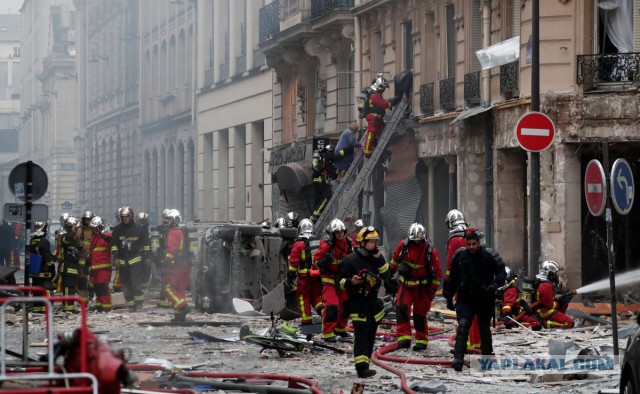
(362, 273)
(328, 258)
(513, 307)
(16, 245)
(100, 270)
(418, 267)
(117, 280)
(178, 269)
(549, 305)
(130, 244)
(309, 286)
(86, 234)
(458, 226)
(375, 116)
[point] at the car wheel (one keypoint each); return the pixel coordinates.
(627, 385)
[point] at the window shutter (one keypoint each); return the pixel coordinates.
(379, 56)
(451, 43)
(636, 26)
(407, 44)
(476, 34)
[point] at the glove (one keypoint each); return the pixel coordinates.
(566, 298)
(323, 264)
(525, 306)
(491, 290)
(450, 305)
(391, 286)
(291, 277)
(432, 290)
(404, 269)
(508, 323)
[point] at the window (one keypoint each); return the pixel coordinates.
(476, 34)
(407, 45)
(378, 52)
(451, 42)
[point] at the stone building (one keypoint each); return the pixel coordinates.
(48, 94)
(310, 46)
(108, 142)
(167, 123)
(10, 32)
(234, 113)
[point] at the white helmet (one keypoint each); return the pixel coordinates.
(359, 223)
(40, 228)
(549, 271)
(280, 223)
(292, 220)
(142, 218)
(455, 218)
(97, 224)
(417, 232)
(379, 84)
(175, 215)
(305, 229)
(336, 225)
(510, 274)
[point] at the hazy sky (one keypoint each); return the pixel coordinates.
(12, 6)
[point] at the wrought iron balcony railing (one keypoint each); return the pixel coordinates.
(448, 94)
(608, 68)
(322, 7)
(472, 88)
(269, 21)
(510, 79)
(427, 105)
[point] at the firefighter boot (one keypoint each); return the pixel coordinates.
(457, 364)
(181, 314)
(404, 344)
(418, 347)
(364, 371)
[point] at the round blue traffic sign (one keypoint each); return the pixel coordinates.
(622, 188)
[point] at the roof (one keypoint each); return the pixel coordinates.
(10, 27)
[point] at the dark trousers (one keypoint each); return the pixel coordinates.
(45, 283)
(5, 258)
(69, 288)
(466, 311)
(322, 195)
(132, 281)
(365, 317)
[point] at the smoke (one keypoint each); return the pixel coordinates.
(623, 279)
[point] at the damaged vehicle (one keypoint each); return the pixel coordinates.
(238, 261)
(630, 369)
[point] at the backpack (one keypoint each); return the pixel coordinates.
(364, 104)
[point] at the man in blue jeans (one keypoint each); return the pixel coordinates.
(345, 149)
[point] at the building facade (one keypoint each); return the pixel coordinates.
(48, 94)
(235, 109)
(108, 140)
(10, 33)
(167, 122)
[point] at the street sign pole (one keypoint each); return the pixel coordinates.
(610, 252)
(534, 157)
(28, 206)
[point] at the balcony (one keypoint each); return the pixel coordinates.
(510, 80)
(608, 69)
(269, 21)
(448, 94)
(322, 7)
(427, 106)
(472, 89)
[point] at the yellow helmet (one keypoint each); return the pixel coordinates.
(367, 233)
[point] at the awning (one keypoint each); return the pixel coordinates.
(292, 177)
(467, 113)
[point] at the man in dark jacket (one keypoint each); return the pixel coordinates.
(362, 273)
(476, 273)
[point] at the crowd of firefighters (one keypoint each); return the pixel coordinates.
(341, 278)
(88, 251)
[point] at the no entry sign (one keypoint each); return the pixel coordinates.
(535, 131)
(595, 187)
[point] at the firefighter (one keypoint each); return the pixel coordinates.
(142, 218)
(323, 171)
(362, 273)
(418, 265)
(328, 258)
(309, 285)
(117, 280)
(375, 114)
(86, 233)
(458, 226)
(39, 245)
(551, 307)
(158, 267)
(514, 307)
(100, 270)
(129, 246)
(476, 273)
(178, 269)
(71, 250)
(17, 245)
(291, 220)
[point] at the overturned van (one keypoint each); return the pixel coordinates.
(238, 261)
